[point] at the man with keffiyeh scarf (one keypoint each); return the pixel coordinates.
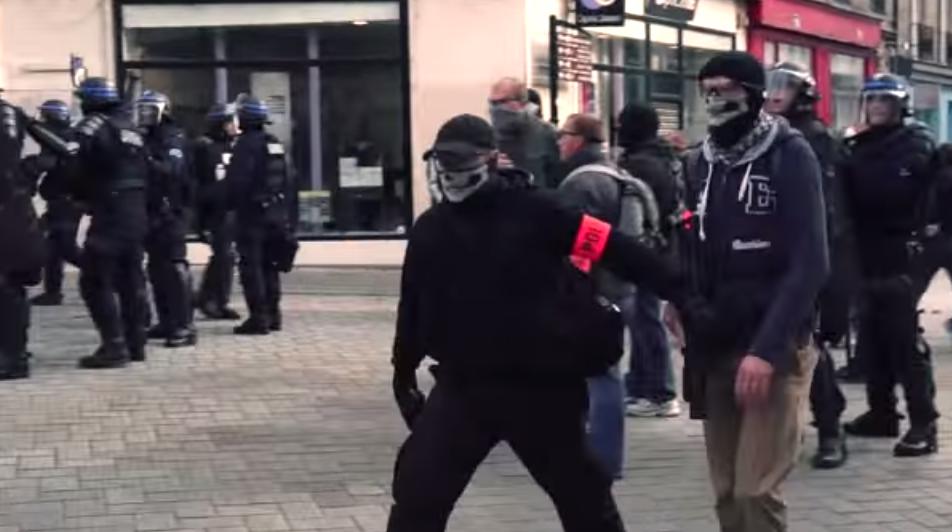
(756, 251)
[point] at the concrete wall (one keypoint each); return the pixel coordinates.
(36, 38)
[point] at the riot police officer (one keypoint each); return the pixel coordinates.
(62, 214)
(114, 172)
(887, 176)
(21, 246)
(212, 153)
(259, 190)
(168, 200)
(792, 93)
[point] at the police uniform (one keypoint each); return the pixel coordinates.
(114, 177)
(168, 201)
(213, 153)
(21, 247)
(62, 215)
(259, 190)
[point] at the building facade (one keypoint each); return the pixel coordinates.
(839, 41)
(358, 88)
(919, 47)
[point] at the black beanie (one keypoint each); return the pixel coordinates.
(738, 66)
(637, 123)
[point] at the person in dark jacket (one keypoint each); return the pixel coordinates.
(528, 142)
(169, 203)
(650, 382)
(489, 294)
(213, 153)
(260, 191)
(21, 245)
(757, 256)
(791, 93)
(114, 174)
(62, 214)
(888, 176)
(937, 238)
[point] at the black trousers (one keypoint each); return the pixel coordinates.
(826, 398)
(260, 278)
(62, 224)
(887, 346)
(14, 320)
(936, 255)
(112, 267)
(215, 289)
(170, 275)
(460, 425)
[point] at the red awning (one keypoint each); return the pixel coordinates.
(817, 20)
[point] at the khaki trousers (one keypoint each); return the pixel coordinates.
(750, 452)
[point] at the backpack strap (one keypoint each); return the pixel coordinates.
(630, 186)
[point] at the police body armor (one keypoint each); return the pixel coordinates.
(168, 188)
(22, 247)
(114, 176)
(272, 196)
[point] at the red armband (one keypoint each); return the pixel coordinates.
(590, 242)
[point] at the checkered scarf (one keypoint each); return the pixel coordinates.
(731, 155)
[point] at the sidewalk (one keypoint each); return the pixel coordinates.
(297, 431)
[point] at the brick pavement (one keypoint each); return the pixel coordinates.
(297, 432)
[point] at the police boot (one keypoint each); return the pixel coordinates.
(47, 299)
(184, 337)
(253, 327)
(831, 453)
(137, 353)
(920, 440)
(157, 332)
(110, 355)
(275, 322)
(15, 367)
(874, 425)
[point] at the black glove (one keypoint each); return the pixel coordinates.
(410, 399)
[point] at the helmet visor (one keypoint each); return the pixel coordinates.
(783, 82)
(149, 114)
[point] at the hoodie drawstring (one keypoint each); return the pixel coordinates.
(702, 205)
(745, 183)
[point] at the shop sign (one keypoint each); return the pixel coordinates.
(673, 9)
(600, 12)
(575, 54)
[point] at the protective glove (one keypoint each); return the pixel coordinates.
(410, 399)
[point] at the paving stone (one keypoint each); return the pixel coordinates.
(296, 431)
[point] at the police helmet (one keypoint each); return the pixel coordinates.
(788, 75)
(97, 92)
(54, 112)
(252, 111)
(885, 84)
(151, 108)
(219, 113)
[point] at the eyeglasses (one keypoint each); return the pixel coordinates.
(567, 133)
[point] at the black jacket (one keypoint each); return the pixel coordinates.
(481, 289)
(256, 188)
(113, 175)
(887, 177)
(828, 154)
(656, 163)
(763, 256)
(170, 189)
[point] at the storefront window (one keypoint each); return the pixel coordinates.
(925, 104)
(847, 73)
(333, 76)
(798, 55)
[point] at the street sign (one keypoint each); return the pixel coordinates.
(574, 54)
(600, 12)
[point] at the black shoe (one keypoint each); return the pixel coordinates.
(831, 453)
(872, 425)
(157, 332)
(228, 313)
(137, 354)
(17, 368)
(182, 338)
(275, 324)
(47, 299)
(252, 327)
(115, 356)
(918, 441)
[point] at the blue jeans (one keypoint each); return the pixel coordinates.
(606, 421)
(650, 373)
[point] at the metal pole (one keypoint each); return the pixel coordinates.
(553, 70)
